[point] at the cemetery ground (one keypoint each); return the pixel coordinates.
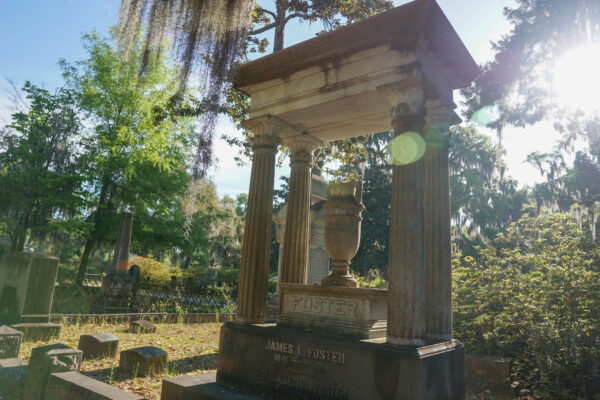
(191, 348)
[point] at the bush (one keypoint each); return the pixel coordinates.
(532, 295)
(157, 272)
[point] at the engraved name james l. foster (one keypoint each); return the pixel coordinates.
(323, 305)
(306, 352)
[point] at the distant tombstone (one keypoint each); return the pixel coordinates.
(144, 361)
(26, 287)
(318, 259)
(38, 331)
(120, 280)
(46, 360)
(122, 247)
(10, 342)
(142, 326)
(98, 346)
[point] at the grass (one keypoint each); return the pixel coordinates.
(192, 349)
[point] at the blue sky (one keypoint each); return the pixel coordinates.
(35, 34)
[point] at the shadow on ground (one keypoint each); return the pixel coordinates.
(175, 367)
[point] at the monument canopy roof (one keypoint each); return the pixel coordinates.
(400, 28)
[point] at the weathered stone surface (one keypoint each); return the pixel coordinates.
(74, 386)
(294, 265)
(358, 313)
(201, 387)
(12, 362)
(318, 259)
(26, 287)
(42, 331)
(489, 374)
(254, 267)
(46, 360)
(144, 361)
(287, 363)
(10, 342)
(98, 346)
(142, 326)
(12, 379)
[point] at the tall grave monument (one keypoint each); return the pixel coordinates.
(396, 70)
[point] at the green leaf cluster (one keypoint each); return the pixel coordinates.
(533, 294)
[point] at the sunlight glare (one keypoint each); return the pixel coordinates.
(577, 78)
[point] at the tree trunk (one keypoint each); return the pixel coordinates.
(187, 262)
(89, 245)
(280, 26)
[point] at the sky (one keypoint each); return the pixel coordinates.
(35, 34)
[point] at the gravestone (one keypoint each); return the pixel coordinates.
(98, 346)
(26, 288)
(38, 331)
(46, 360)
(10, 342)
(74, 386)
(318, 260)
(13, 373)
(144, 361)
(142, 326)
(491, 375)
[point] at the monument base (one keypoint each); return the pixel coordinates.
(36, 331)
(283, 363)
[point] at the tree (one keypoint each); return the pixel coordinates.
(129, 150)
(332, 13)
(483, 200)
(40, 185)
(517, 79)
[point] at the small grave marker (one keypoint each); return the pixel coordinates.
(144, 361)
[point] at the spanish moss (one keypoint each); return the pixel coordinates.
(208, 36)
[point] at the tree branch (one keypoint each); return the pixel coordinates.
(263, 29)
(271, 13)
(296, 15)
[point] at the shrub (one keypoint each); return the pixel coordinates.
(154, 269)
(532, 295)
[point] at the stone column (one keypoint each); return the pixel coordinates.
(439, 117)
(254, 268)
(407, 272)
(295, 243)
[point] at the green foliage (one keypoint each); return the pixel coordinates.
(532, 294)
(154, 271)
(484, 201)
(40, 185)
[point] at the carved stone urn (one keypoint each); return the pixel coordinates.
(343, 210)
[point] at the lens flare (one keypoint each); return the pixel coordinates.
(406, 148)
(576, 81)
(486, 115)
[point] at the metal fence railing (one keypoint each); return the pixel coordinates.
(71, 297)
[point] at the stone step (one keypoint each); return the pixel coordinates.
(74, 386)
(201, 387)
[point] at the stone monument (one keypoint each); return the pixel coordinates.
(395, 70)
(27, 283)
(318, 260)
(120, 281)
